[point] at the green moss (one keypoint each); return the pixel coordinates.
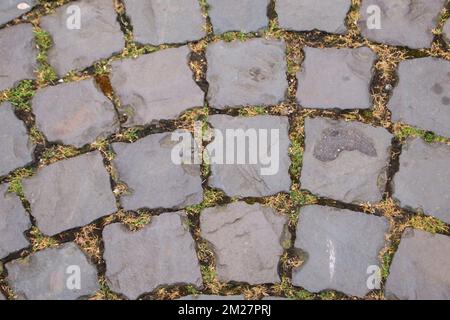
(15, 182)
(21, 95)
(45, 73)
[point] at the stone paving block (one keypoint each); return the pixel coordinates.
(159, 21)
(306, 15)
(402, 23)
(203, 297)
(340, 246)
(51, 275)
(250, 177)
(345, 161)
(422, 96)
(446, 32)
(18, 54)
(421, 267)
(336, 78)
(11, 9)
(153, 179)
(422, 182)
(2, 297)
(246, 73)
(247, 241)
(238, 15)
(15, 145)
(156, 86)
(74, 113)
(14, 221)
(70, 193)
(162, 253)
(98, 36)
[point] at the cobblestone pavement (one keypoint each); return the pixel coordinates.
(92, 204)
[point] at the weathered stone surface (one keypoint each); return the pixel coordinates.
(156, 86)
(421, 267)
(74, 113)
(247, 241)
(12, 9)
(98, 37)
(402, 23)
(253, 176)
(422, 96)
(153, 179)
(70, 193)
(159, 21)
(305, 15)
(340, 246)
(2, 297)
(345, 161)
(211, 297)
(14, 222)
(422, 183)
(238, 15)
(275, 298)
(18, 54)
(446, 31)
(45, 275)
(246, 73)
(162, 253)
(336, 78)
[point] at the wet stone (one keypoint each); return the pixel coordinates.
(203, 297)
(11, 9)
(49, 275)
(161, 253)
(339, 247)
(336, 78)
(345, 161)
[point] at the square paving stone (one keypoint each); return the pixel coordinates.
(306, 15)
(422, 182)
(402, 22)
(11, 9)
(246, 73)
(98, 37)
(340, 246)
(70, 193)
(258, 139)
(162, 253)
(160, 21)
(156, 86)
(52, 274)
(74, 113)
(153, 179)
(18, 54)
(345, 161)
(422, 96)
(247, 241)
(421, 268)
(336, 78)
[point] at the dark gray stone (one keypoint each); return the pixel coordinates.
(11, 9)
(98, 37)
(336, 78)
(422, 96)
(421, 268)
(422, 182)
(340, 246)
(247, 241)
(162, 253)
(345, 161)
(50, 275)
(70, 193)
(246, 73)
(156, 86)
(203, 297)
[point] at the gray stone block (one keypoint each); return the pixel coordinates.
(11, 9)
(203, 297)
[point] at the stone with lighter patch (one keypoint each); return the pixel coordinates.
(12, 9)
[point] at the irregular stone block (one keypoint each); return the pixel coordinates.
(12, 9)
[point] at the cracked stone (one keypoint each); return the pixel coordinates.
(161, 253)
(203, 297)
(401, 23)
(46, 275)
(339, 247)
(12, 9)
(246, 73)
(345, 161)
(306, 15)
(70, 193)
(74, 113)
(422, 96)
(98, 36)
(156, 86)
(153, 179)
(247, 241)
(257, 177)
(336, 78)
